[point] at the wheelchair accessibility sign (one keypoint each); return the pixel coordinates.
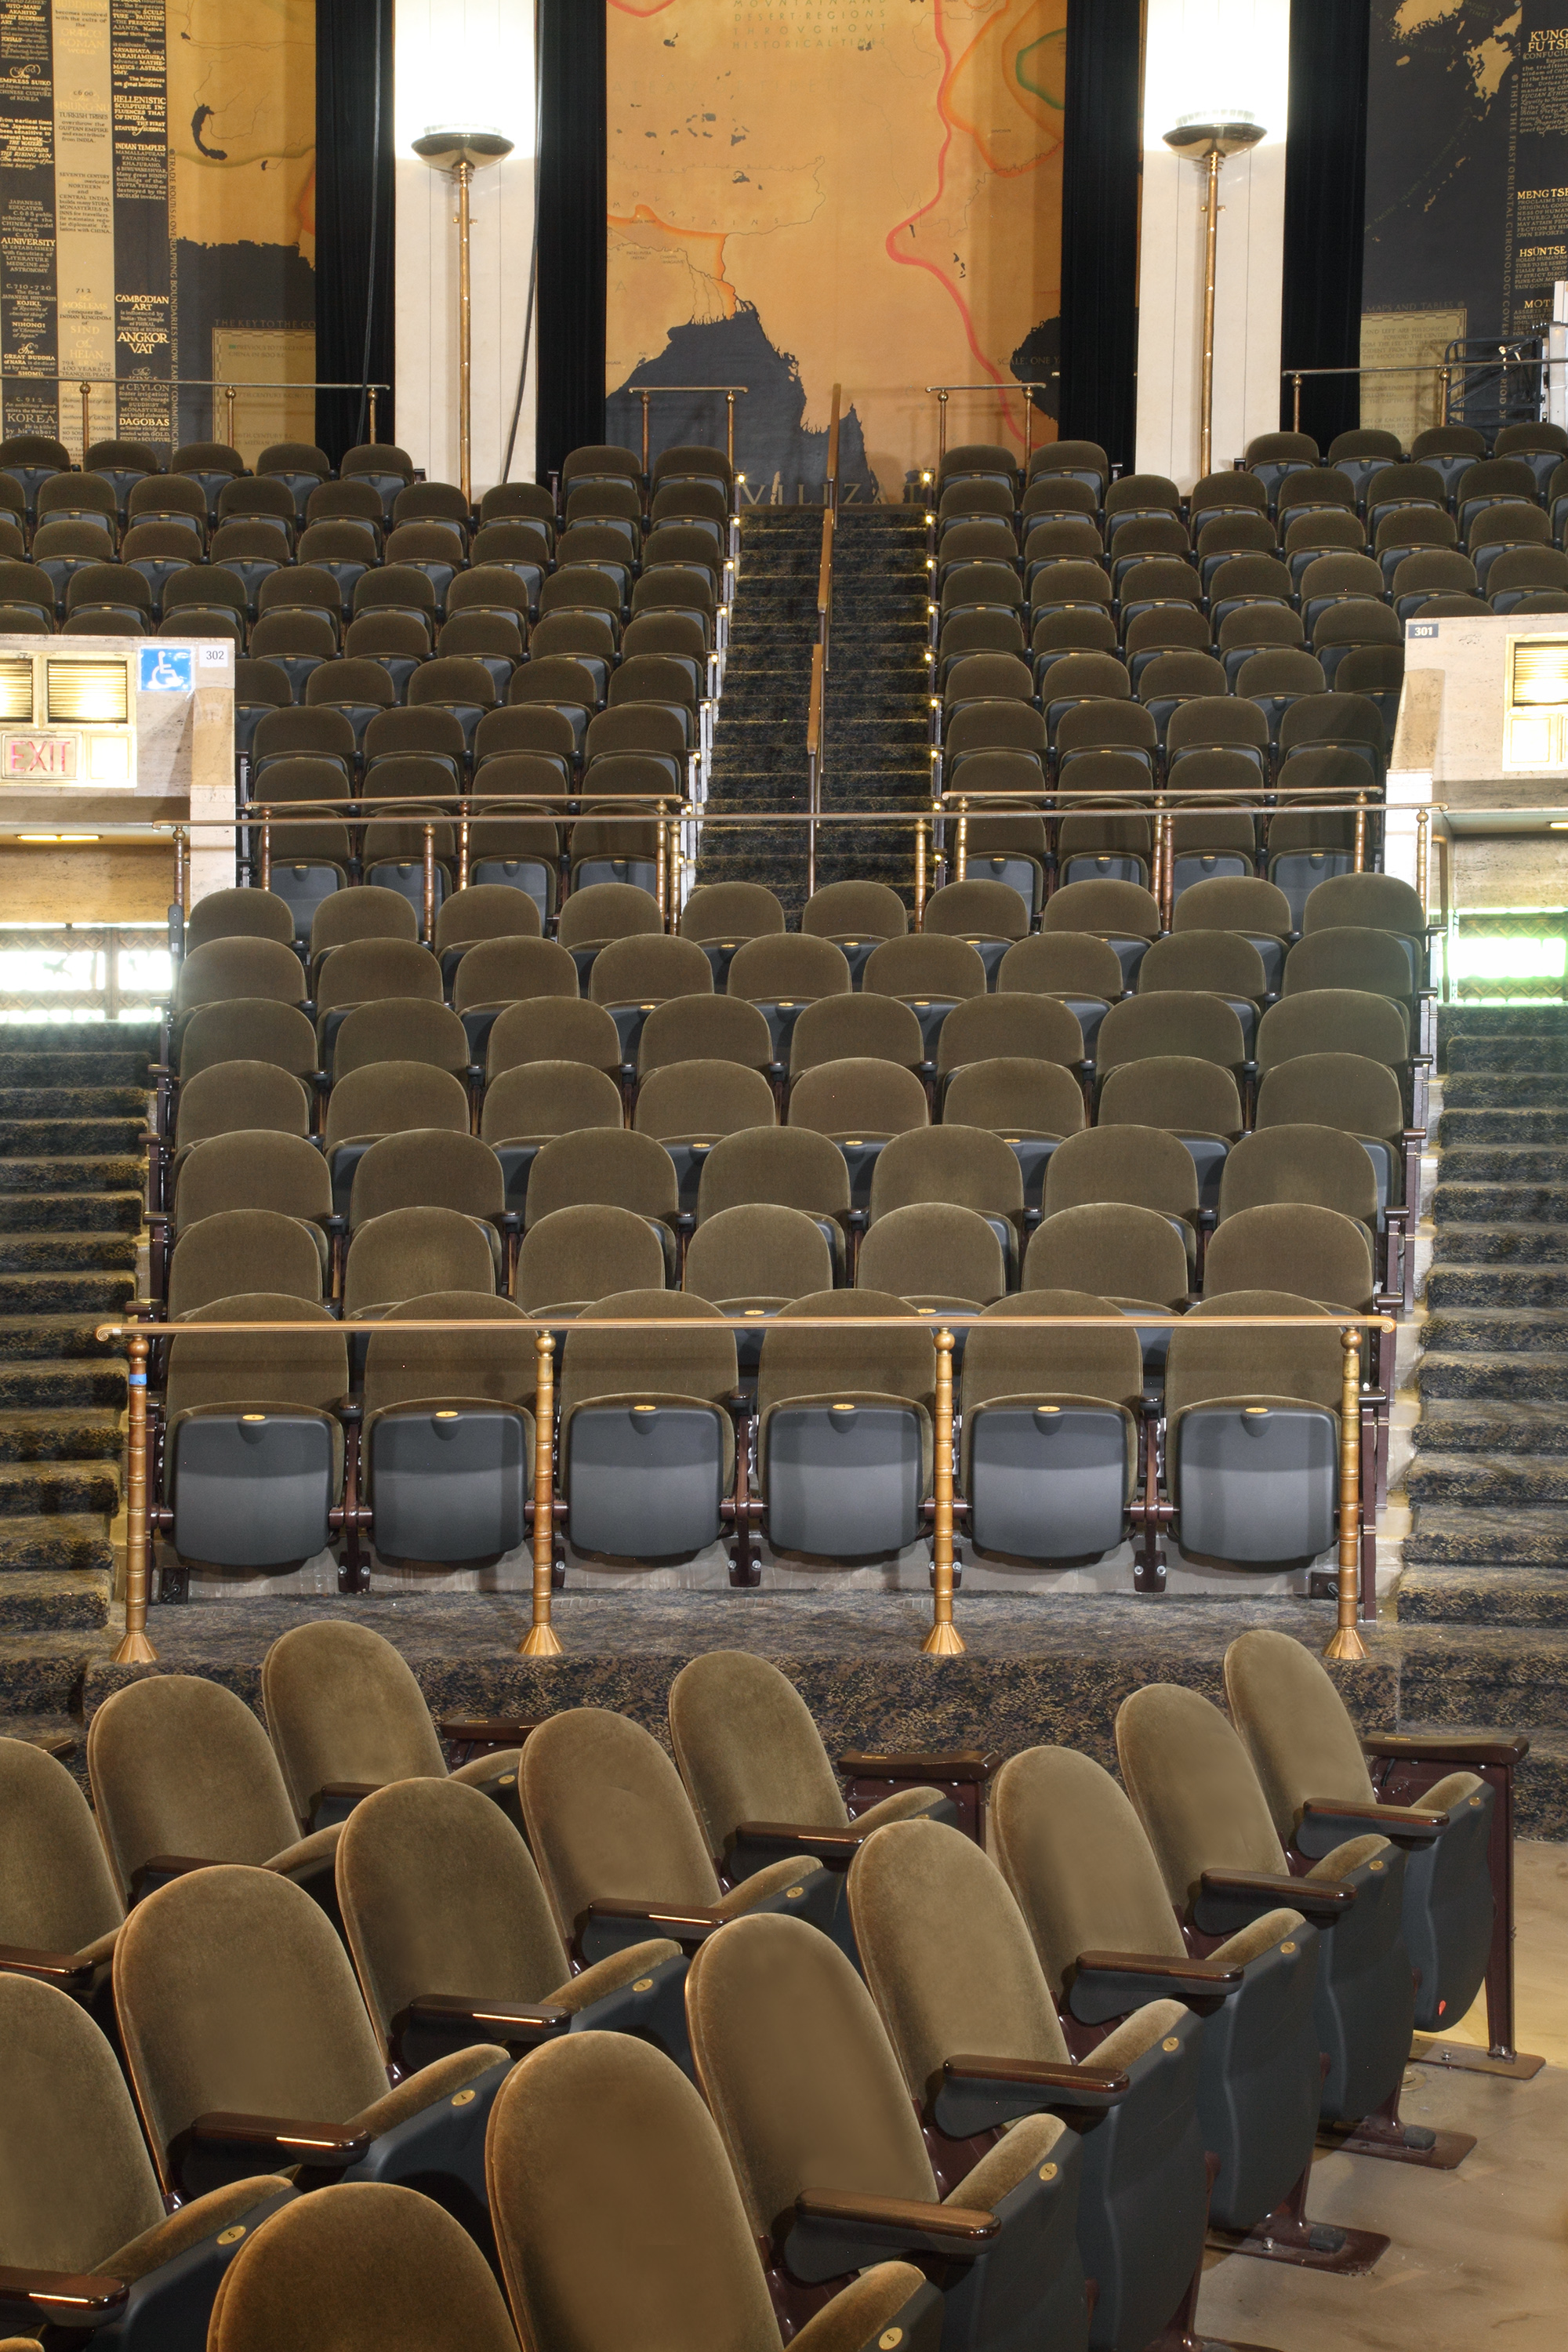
(166, 669)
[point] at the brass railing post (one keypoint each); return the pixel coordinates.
(941, 427)
(464, 839)
(961, 872)
(542, 1641)
(1296, 401)
(1163, 823)
(1442, 395)
(182, 872)
(945, 1640)
(1422, 854)
(429, 861)
(86, 420)
(136, 1650)
(919, 873)
(644, 397)
(1361, 833)
(1347, 1642)
(228, 393)
(729, 427)
(661, 874)
(371, 395)
(266, 852)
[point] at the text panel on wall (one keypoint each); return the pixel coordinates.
(809, 191)
(157, 218)
(1467, 199)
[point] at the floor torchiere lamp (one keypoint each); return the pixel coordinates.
(1205, 140)
(461, 153)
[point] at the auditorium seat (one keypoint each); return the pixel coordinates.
(647, 1444)
(1009, 848)
(609, 1168)
(1173, 1020)
(1195, 1100)
(60, 1908)
(859, 1027)
(968, 1167)
(236, 2000)
(1121, 913)
(182, 1776)
(1110, 847)
(239, 1250)
(574, 1256)
(845, 1434)
(1259, 911)
(1011, 1024)
(1084, 972)
(370, 970)
(1312, 1769)
(1081, 1870)
(630, 976)
(231, 1095)
(449, 1434)
(383, 1098)
(782, 974)
(1050, 1429)
(750, 1260)
(1349, 1091)
(615, 847)
(484, 911)
(688, 1105)
(248, 1167)
(986, 916)
(345, 1715)
(1220, 964)
(611, 1871)
(1195, 1791)
(241, 1028)
(590, 918)
(1375, 962)
(1031, 1104)
(402, 1029)
(818, 2127)
(494, 973)
(88, 2238)
(553, 1028)
(1315, 1252)
(564, 2220)
(1306, 846)
(528, 1105)
(368, 912)
(1144, 2189)
(408, 1252)
(705, 1028)
(859, 1104)
(939, 1258)
(417, 2275)
(930, 973)
(1133, 1166)
(788, 1167)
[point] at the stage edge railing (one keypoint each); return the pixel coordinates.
(1355, 1590)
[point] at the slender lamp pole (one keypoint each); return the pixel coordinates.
(460, 153)
(1207, 140)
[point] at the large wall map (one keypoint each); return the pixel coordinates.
(1466, 185)
(806, 192)
(157, 178)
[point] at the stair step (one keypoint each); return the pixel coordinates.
(68, 1253)
(1478, 1481)
(1541, 1331)
(39, 1540)
(1545, 1056)
(44, 1677)
(58, 1489)
(71, 1434)
(47, 1600)
(1478, 1246)
(1508, 1129)
(1490, 1425)
(1494, 1091)
(1515, 1377)
(1482, 1286)
(24, 1339)
(1448, 1536)
(1473, 1673)
(57, 1211)
(1501, 1163)
(70, 1174)
(1483, 1596)
(1498, 1203)
(42, 1384)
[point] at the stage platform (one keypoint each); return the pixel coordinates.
(1030, 1673)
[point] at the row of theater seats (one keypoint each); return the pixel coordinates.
(814, 1949)
(1075, 1439)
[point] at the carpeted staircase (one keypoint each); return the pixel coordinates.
(759, 745)
(73, 1104)
(878, 689)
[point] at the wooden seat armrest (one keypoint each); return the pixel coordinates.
(856, 1764)
(62, 1969)
(836, 1848)
(1071, 2086)
(516, 2025)
(1104, 1985)
(73, 2298)
(1447, 1747)
(286, 2138)
(964, 2224)
(1314, 1898)
(1404, 1823)
(489, 1731)
(680, 1922)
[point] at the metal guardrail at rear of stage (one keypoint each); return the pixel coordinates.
(647, 392)
(1444, 372)
(999, 389)
(230, 387)
(1354, 1598)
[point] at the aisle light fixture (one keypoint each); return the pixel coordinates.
(1205, 139)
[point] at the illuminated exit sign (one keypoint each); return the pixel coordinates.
(41, 759)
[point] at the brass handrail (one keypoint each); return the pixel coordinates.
(228, 385)
(647, 392)
(1444, 370)
(943, 1640)
(1000, 388)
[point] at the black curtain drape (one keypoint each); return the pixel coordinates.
(571, 230)
(1325, 210)
(353, 218)
(1100, 182)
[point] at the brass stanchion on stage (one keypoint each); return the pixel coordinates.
(429, 861)
(1361, 833)
(1347, 1642)
(136, 1650)
(266, 852)
(542, 1641)
(945, 1640)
